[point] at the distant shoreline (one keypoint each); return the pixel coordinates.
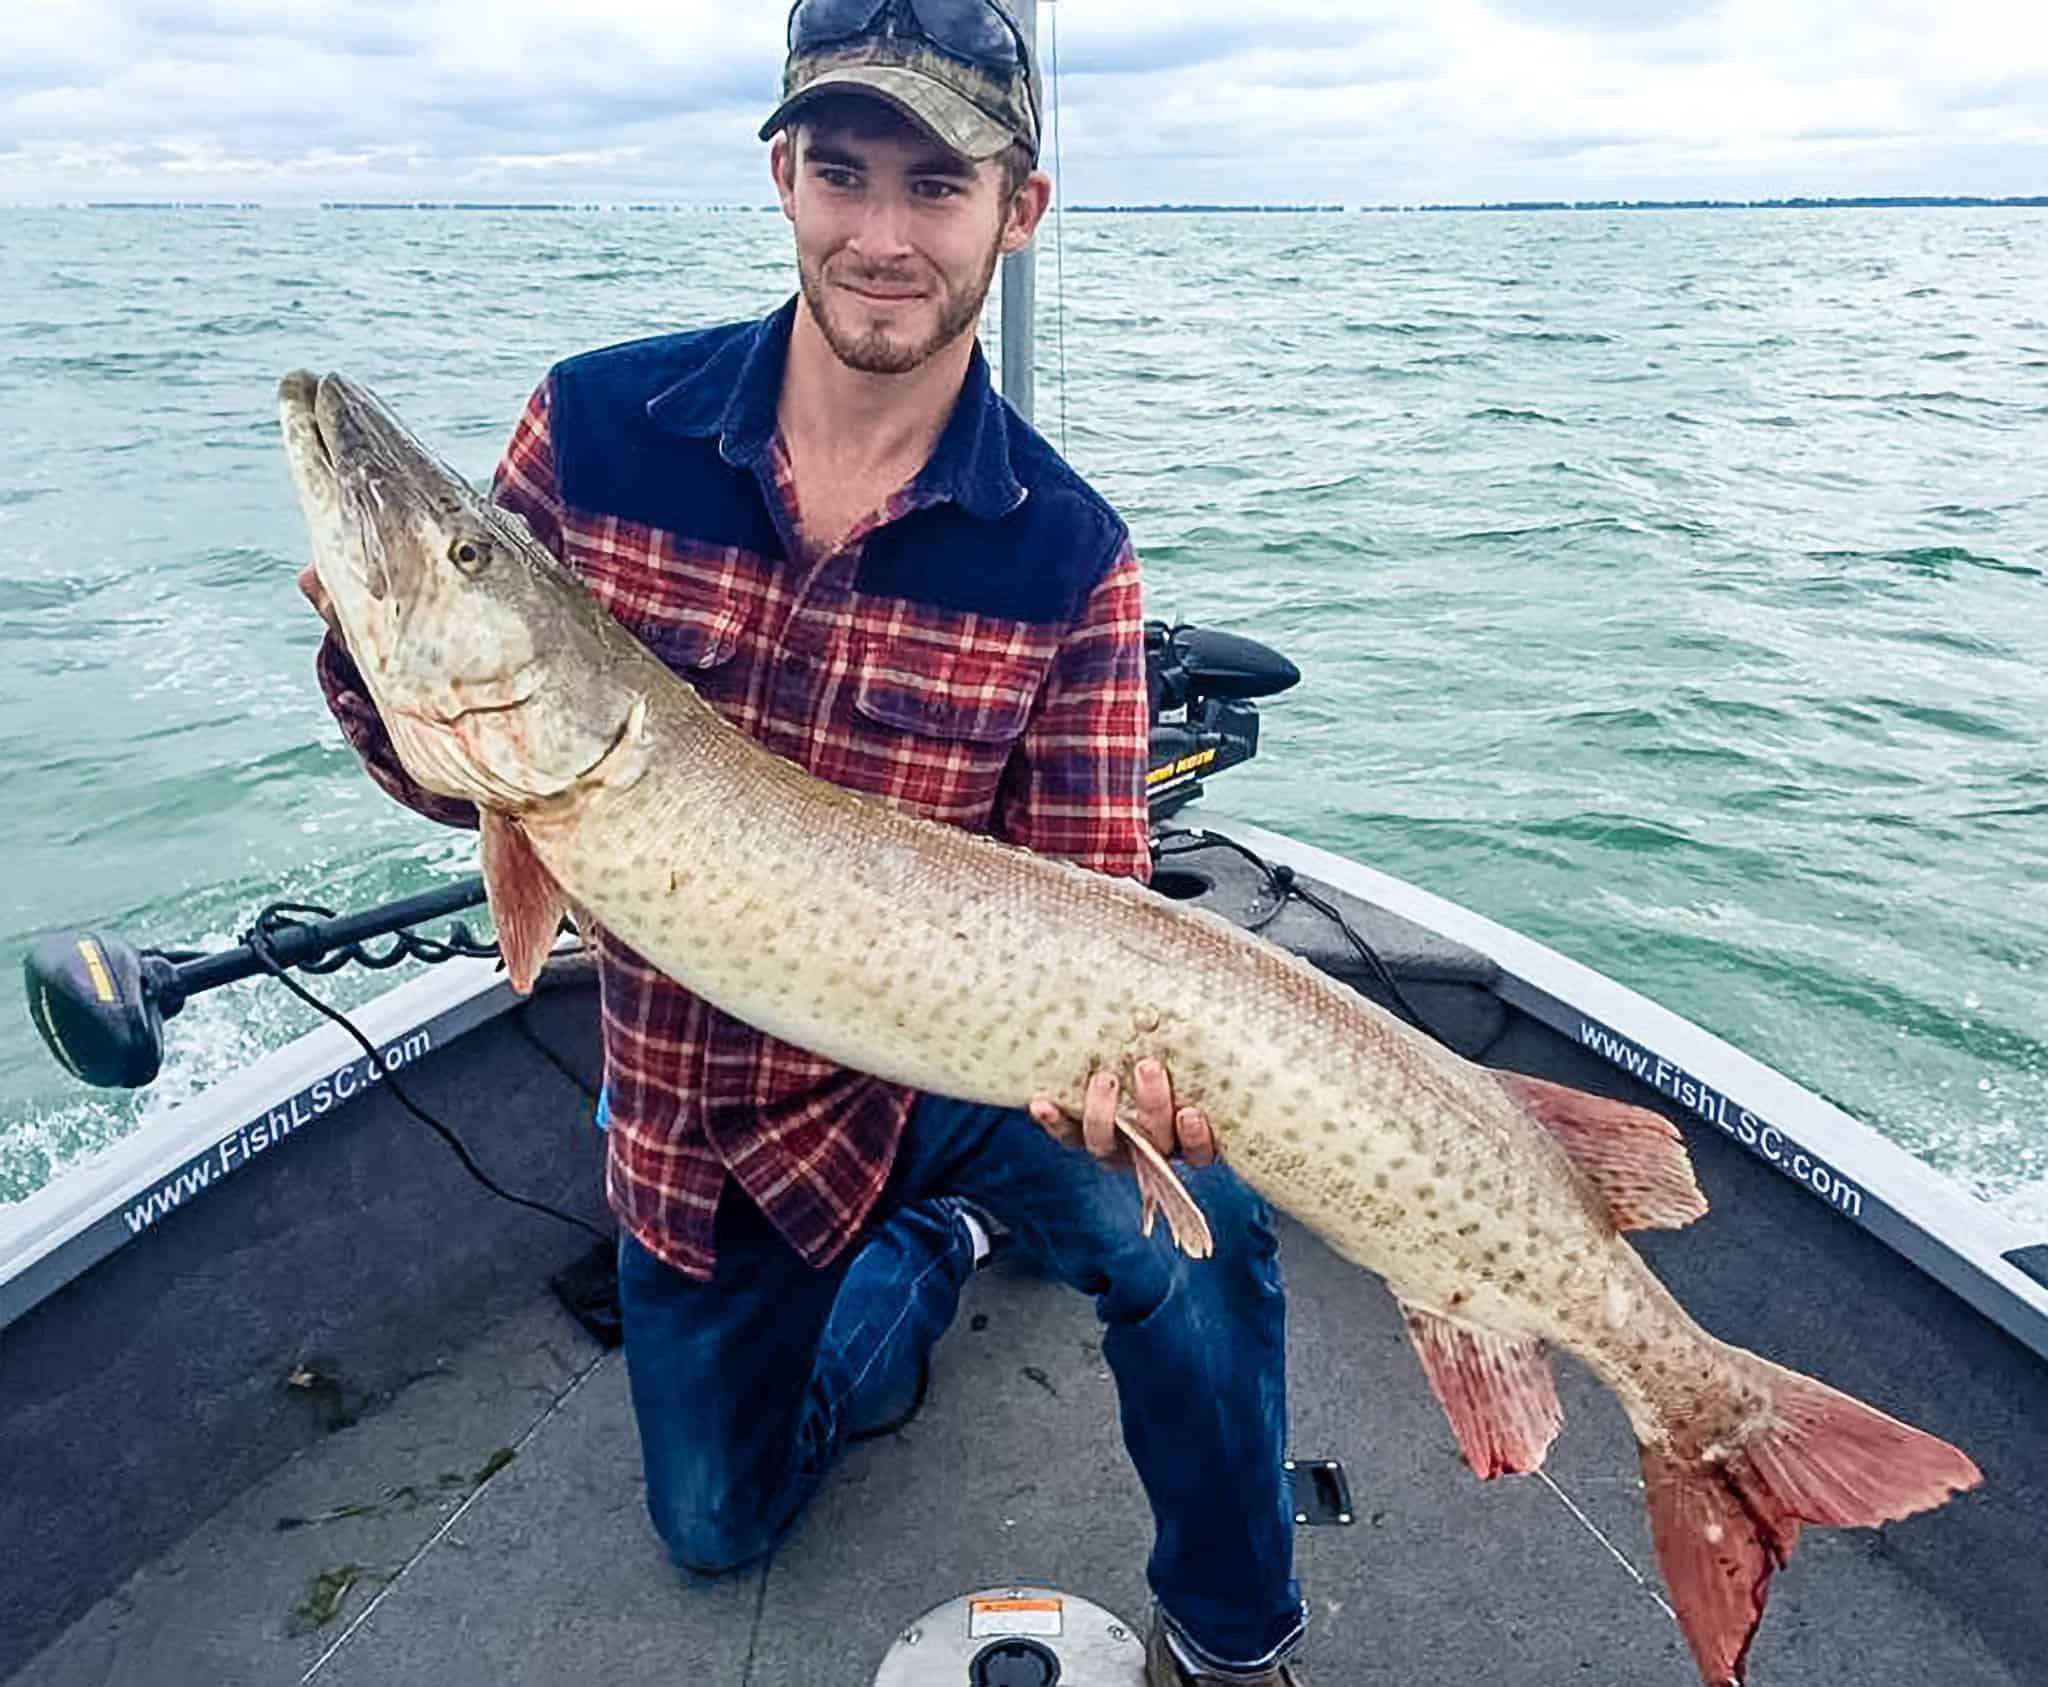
(1870, 202)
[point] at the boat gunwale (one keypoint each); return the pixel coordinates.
(62, 1230)
(1964, 1243)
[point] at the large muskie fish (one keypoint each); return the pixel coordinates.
(1493, 1205)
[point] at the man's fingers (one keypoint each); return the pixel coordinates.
(316, 595)
(1152, 1103)
(1098, 1116)
(1055, 1118)
(1182, 1133)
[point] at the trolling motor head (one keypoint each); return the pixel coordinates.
(1202, 685)
(100, 1004)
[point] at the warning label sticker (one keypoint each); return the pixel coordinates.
(990, 1618)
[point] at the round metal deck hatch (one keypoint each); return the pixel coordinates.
(1016, 1637)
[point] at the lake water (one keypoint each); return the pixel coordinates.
(1672, 587)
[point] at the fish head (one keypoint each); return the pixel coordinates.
(491, 667)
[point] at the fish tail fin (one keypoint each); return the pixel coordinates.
(1498, 1392)
(1724, 1525)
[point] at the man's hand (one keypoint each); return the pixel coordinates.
(316, 595)
(1184, 1132)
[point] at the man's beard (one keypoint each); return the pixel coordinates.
(877, 352)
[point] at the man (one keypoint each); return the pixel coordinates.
(830, 525)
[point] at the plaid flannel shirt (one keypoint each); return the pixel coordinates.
(973, 652)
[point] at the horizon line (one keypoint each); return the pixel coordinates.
(1867, 201)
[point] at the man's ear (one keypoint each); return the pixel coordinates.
(1026, 211)
(782, 166)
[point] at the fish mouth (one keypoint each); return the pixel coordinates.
(312, 459)
(344, 437)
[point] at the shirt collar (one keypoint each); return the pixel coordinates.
(733, 397)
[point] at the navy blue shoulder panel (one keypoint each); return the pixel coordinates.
(611, 459)
(1038, 563)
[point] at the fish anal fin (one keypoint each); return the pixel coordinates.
(1164, 1192)
(1497, 1391)
(1634, 1159)
(526, 902)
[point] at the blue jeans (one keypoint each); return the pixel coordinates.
(744, 1386)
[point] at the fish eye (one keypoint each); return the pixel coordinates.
(472, 556)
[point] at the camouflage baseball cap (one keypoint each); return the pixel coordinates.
(969, 108)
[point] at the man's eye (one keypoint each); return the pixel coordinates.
(937, 189)
(838, 178)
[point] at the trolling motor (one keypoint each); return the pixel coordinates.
(1202, 685)
(100, 1003)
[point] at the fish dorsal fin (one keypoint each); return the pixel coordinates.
(1634, 1158)
(526, 902)
(1497, 1391)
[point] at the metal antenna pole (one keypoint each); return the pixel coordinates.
(1020, 286)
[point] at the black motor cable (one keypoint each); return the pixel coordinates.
(1286, 886)
(260, 940)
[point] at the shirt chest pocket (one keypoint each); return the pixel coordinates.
(691, 639)
(697, 640)
(972, 692)
(935, 719)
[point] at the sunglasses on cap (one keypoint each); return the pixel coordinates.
(974, 30)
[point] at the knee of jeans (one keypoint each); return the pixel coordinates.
(1239, 1218)
(1247, 1257)
(711, 1540)
(1133, 1275)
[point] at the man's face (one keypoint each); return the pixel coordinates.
(896, 239)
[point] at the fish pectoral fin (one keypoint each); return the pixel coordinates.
(526, 902)
(1164, 1193)
(1497, 1391)
(1634, 1158)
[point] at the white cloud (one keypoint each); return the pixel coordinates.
(1360, 100)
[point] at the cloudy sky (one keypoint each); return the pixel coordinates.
(1360, 101)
